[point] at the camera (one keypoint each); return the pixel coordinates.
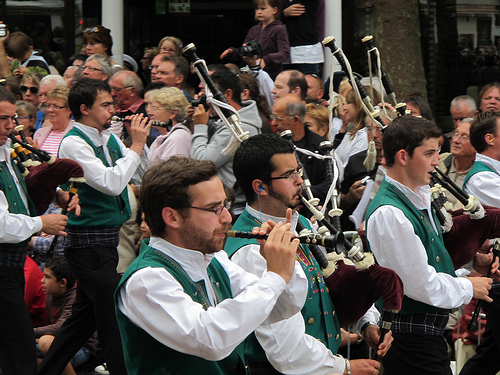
(202, 99)
(250, 48)
(3, 30)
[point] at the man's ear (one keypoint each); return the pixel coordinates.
(488, 137)
(63, 283)
(259, 188)
(228, 94)
(179, 79)
(84, 109)
(171, 217)
(402, 157)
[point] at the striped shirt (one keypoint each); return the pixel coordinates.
(52, 142)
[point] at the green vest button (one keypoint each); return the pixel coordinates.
(437, 259)
(432, 240)
(337, 337)
(333, 313)
(310, 321)
(10, 187)
(327, 290)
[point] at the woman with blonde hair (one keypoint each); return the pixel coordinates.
(352, 135)
(58, 120)
(316, 119)
(169, 105)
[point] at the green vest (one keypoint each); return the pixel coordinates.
(9, 188)
(318, 311)
(100, 209)
(437, 255)
(144, 354)
(477, 167)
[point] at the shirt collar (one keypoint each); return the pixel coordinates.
(133, 108)
(264, 217)
(93, 133)
(421, 198)
(495, 164)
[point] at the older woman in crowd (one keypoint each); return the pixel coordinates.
(58, 120)
(169, 105)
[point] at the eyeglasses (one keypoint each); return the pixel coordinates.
(119, 89)
(292, 176)
(461, 137)
(278, 119)
(54, 106)
(153, 108)
(151, 67)
(91, 68)
(227, 205)
(33, 89)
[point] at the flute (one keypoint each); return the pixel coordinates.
(314, 239)
(167, 125)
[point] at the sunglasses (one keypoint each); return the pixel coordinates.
(33, 90)
(92, 30)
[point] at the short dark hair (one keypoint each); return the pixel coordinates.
(225, 79)
(297, 79)
(61, 270)
(181, 65)
(85, 91)
(166, 184)
(6, 95)
(18, 44)
(252, 160)
(407, 133)
(483, 124)
(419, 101)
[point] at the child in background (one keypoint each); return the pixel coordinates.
(59, 285)
(272, 37)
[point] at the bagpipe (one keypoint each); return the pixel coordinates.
(43, 172)
(354, 281)
(216, 98)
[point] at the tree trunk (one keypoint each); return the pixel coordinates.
(397, 36)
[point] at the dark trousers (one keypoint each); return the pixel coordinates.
(486, 360)
(417, 354)
(95, 269)
(18, 339)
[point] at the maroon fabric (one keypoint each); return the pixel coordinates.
(43, 180)
(353, 292)
(468, 235)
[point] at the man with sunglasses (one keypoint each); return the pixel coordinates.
(182, 306)
(267, 172)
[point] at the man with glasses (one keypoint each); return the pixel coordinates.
(97, 67)
(288, 114)
(93, 236)
(266, 170)
(173, 72)
(182, 306)
(19, 222)
(458, 163)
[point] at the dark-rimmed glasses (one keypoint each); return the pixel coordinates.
(227, 205)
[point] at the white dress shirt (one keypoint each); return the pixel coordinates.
(107, 180)
(15, 228)
(288, 348)
(154, 300)
(485, 185)
(395, 245)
